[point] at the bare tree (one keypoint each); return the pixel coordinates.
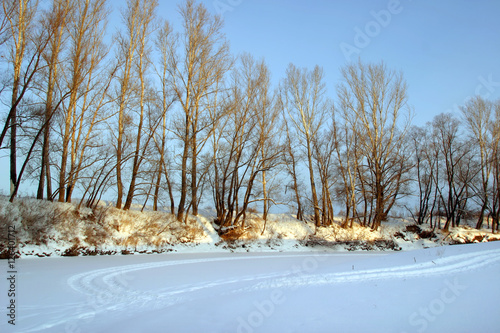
(426, 172)
(194, 72)
(269, 131)
(87, 89)
(33, 49)
(88, 108)
(243, 150)
(347, 158)
(303, 99)
(495, 187)
(478, 114)
(5, 14)
(31, 67)
(99, 177)
(324, 156)
(20, 15)
(456, 162)
(145, 15)
(164, 45)
(291, 161)
(56, 21)
(234, 144)
(377, 98)
(127, 47)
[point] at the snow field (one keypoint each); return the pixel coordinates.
(442, 289)
(285, 284)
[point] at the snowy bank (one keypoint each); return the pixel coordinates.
(42, 228)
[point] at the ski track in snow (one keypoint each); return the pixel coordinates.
(441, 266)
(109, 290)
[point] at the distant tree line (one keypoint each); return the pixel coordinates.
(165, 117)
(457, 165)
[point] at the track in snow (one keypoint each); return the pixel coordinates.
(447, 265)
(109, 289)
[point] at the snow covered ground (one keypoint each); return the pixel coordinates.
(290, 278)
(43, 228)
(441, 289)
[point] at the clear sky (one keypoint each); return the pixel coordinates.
(447, 50)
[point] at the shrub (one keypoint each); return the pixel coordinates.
(427, 234)
(399, 234)
(413, 228)
(73, 251)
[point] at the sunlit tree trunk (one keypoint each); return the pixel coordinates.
(56, 23)
(127, 44)
(86, 31)
(19, 15)
(145, 17)
(303, 92)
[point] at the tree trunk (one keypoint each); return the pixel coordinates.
(265, 207)
(13, 154)
(313, 186)
(479, 223)
(183, 194)
(194, 175)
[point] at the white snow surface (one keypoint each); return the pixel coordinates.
(440, 289)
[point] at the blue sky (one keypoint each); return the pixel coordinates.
(447, 50)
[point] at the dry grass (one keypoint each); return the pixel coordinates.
(249, 232)
(189, 232)
(40, 222)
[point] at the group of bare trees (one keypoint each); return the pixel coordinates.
(246, 147)
(151, 115)
(457, 165)
(370, 140)
(52, 66)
